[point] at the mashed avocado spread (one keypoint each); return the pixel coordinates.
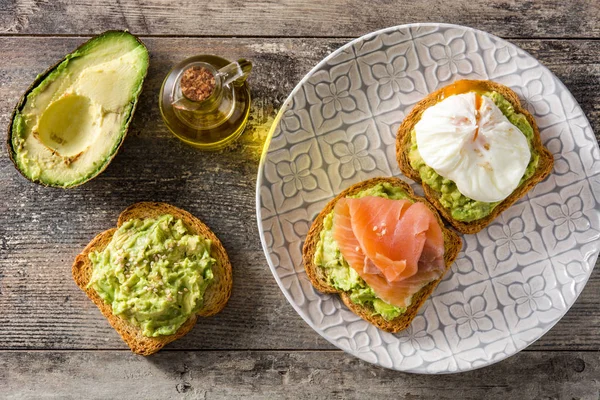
(341, 275)
(153, 273)
(461, 207)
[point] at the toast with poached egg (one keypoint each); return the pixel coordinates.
(475, 149)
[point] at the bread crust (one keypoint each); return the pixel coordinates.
(318, 278)
(216, 296)
(545, 164)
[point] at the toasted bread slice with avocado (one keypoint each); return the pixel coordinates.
(403, 145)
(318, 275)
(215, 297)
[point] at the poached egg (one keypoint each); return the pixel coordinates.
(466, 138)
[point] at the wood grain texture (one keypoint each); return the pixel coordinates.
(42, 229)
(281, 375)
(348, 18)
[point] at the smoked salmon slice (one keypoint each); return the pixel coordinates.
(396, 246)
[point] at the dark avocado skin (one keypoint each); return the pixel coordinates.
(38, 79)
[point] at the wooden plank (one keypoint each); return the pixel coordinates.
(42, 229)
(349, 18)
(281, 375)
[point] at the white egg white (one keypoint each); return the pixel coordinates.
(480, 150)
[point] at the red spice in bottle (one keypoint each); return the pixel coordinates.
(197, 83)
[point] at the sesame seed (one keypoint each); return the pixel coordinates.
(383, 231)
(180, 292)
(374, 228)
(185, 289)
(357, 248)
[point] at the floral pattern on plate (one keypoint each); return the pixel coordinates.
(512, 281)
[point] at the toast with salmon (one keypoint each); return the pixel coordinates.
(404, 142)
(215, 297)
(451, 243)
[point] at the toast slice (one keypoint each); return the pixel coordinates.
(403, 143)
(216, 295)
(318, 277)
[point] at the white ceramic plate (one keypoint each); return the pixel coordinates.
(514, 280)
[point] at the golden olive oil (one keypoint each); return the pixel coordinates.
(218, 120)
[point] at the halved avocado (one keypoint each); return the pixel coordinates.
(72, 120)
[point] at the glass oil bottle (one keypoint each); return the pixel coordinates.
(205, 101)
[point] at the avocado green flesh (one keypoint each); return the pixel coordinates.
(153, 273)
(339, 273)
(72, 122)
(461, 207)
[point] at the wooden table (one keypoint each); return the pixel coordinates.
(53, 340)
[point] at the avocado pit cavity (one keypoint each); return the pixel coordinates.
(69, 125)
